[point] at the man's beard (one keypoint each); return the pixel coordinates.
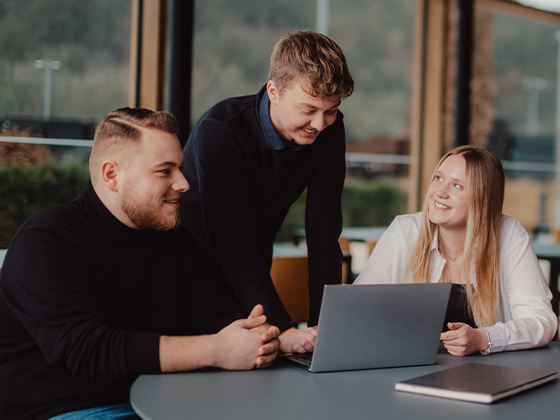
(300, 146)
(146, 219)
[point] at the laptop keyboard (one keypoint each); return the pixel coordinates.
(303, 358)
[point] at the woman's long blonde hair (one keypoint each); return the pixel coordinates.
(484, 186)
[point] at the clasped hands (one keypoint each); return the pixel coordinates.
(249, 343)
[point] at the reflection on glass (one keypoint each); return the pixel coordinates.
(524, 78)
(233, 43)
(91, 42)
(63, 65)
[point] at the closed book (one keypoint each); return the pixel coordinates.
(476, 382)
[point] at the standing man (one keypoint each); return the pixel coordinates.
(107, 287)
(249, 158)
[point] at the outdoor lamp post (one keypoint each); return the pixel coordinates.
(533, 85)
(47, 65)
(322, 19)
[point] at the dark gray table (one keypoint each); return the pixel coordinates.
(285, 392)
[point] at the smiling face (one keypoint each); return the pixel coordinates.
(298, 116)
(151, 183)
(447, 195)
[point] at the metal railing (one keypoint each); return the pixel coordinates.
(369, 158)
(48, 142)
(351, 158)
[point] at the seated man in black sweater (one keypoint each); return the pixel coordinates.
(248, 159)
(99, 290)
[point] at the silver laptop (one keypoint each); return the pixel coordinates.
(377, 326)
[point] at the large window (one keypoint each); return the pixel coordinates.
(63, 65)
(515, 87)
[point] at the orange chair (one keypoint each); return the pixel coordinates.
(347, 275)
(290, 276)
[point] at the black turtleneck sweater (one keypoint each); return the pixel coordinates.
(83, 302)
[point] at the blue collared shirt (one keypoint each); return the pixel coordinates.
(273, 139)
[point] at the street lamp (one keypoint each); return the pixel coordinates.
(533, 85)
(47, 65)
(322, 20)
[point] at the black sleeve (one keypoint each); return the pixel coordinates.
(47, 288)
(213, 304)
(227, 209)
(323, 218)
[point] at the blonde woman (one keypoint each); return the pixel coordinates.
(499, 300)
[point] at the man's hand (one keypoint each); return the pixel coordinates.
(247, 343)
(243, 344)
(298, 341)
(269, 335)
(462, 339)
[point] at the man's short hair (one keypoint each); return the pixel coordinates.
(316, 59)
(123, 127)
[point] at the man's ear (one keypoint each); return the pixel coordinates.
(272, 91)
(109, 171)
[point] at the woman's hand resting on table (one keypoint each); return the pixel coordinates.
(462, 339)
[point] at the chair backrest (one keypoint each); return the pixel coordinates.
(344, 244)
(290, 276)
(347, 275)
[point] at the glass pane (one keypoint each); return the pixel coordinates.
(233, 43)
(523, 92)
(86, 46)
(379, 49)
(63, 65)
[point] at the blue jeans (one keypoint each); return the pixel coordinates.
(112, 412)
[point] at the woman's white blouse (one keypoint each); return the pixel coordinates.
(524, 316)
